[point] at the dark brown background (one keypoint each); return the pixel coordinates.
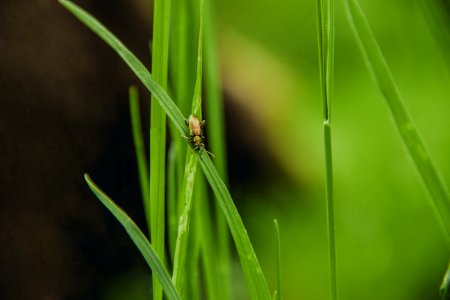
(64, 111)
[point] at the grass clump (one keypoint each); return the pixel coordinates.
(252, 271)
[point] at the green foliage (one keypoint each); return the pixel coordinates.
(410, 136)
(445, 286)
(138, 139)
(278, 261)
(251, 268)
(365, 169)
(156, 201)
(325, 21)
(187, 188)
(141, 242)
(216, 138)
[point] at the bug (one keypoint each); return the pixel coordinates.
(196, 133)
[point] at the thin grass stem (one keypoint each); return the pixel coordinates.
(277, 295)
(325, 21)
(136, 126)
(160, 58)
(216, 139)
(172, 198)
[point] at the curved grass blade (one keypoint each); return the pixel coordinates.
(251, 268)
(132, 61)
(138, 238)
(138, 139)
(411, 138)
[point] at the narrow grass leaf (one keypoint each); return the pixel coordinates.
(138, 139)
(187, 189)
(216, 140)
(402, 119)
(172, 198)
(132, 61)
(330, 210)
(251, 268)
(445, 286)
(160, 60)
(214, 283)
(184, 221)
(138, 238)
(252, 271)
(325, 21)
(277, 294)
(437, 15)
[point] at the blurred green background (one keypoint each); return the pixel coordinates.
(389, 244)
(64, 111)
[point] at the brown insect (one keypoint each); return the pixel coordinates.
(196, 133)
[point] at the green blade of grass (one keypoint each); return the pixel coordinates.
(160, 59)
(197, 99)
(214, 105)
(330, 210)
(277, 295)
(445, 286)
(437, 15)
(325, 21)
(251, 268)
(208, 246)
(184, 221)
(192, 281)
(410, 136)
(139, 240)
(176, 160)
(172, 200)
(131, 60)
(138, 139)
(216, 140)
(189, 174)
